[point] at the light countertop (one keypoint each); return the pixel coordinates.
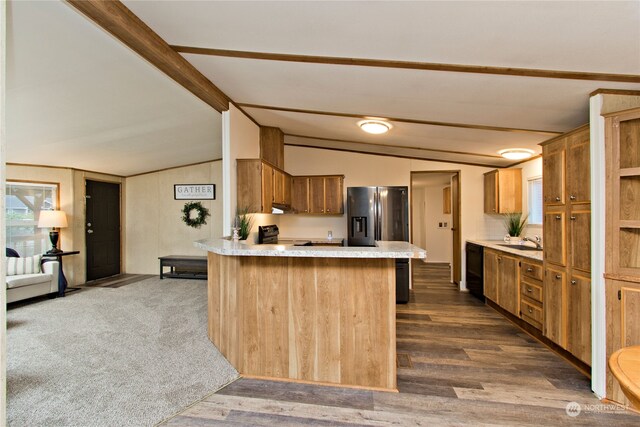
(496, 244)
(382, 250)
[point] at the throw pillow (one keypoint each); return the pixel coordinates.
(27, 265)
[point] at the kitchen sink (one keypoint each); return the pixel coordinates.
(520, 247)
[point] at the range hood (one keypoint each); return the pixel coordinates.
(280, 208)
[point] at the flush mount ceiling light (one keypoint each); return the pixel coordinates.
(516, 153)
(374, 126)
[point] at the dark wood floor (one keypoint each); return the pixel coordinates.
(460, 363)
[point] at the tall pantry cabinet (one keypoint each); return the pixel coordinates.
(622, 259)
(566, 185)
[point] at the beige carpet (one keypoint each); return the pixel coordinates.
(133, 355)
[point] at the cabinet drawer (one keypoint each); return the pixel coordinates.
(531, 291)
(531, 310)
(531, 269)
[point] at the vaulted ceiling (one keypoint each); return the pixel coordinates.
(457, 80)
(290, 65)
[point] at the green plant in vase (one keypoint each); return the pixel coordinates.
(515, 223)
(244, 222)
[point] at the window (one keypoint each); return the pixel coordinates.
(535, 201)
(23, 203)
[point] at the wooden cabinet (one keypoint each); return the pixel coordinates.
(509, 283)
(267, 188)
(300, 194)
(491, 275)
(318, 195)
(446, 200)
(260, 185)
(554, 298)
(567, 241)
(272, 146)
(554, 237)
(579, 318)
(622, 256)
(553, 172)
(531, 293)
(503, 191)
(501, 279)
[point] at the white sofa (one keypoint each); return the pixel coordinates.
(23, 286)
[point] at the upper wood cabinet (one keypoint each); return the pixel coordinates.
(319, 195)
(272, 146)
(503, 191)
(578, 167)
(260, 185)
(446, 200)
(553, 172)
(300, 194)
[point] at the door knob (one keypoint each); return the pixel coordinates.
(88, 224)
(89, 231)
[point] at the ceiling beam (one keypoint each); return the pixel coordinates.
(400, 120)
(401, 156)
(425, 66)
(115, 18)
(408, 147)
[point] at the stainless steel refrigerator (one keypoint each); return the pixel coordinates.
(381, 213)
(377, 213)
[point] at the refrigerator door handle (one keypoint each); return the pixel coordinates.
(375, 216)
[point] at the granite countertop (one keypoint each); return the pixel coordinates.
(381, 250)
(496, 244)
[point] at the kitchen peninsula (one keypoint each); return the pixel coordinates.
(305, 313)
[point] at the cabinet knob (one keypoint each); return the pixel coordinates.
(530, 311)
(558, 276)
(529, 290)
(328, 210)
(529, 270)
(572, 197)
(557, 199)
(494, 209)
(573, 282)
(558, 217)
(572, 218)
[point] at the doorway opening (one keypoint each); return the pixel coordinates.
(435, 217)
(102, 229)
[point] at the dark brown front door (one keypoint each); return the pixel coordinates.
(102, 229)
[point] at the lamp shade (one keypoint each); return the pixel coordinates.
(52, 219)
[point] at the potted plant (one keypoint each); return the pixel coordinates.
(515, 223)
(243, 222)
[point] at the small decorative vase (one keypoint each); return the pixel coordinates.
(236, 236)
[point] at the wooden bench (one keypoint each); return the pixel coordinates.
(183, 267)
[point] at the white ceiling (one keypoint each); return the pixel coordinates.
(76, 97)
(592, 37)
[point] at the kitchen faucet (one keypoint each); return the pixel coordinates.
(536, 240)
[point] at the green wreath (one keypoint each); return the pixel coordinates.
(197, 220)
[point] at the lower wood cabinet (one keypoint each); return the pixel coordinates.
(554, 295)
(509, 283)
(623, 325)
(501, 279)
(567, 311)
(579, 318)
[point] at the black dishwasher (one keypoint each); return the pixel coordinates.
(475, 270)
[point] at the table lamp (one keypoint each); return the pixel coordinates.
(53, 220)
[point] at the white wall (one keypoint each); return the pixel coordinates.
(153, 217)
(72, 191)
(364, 170)
(240, 140)
(438, 241)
